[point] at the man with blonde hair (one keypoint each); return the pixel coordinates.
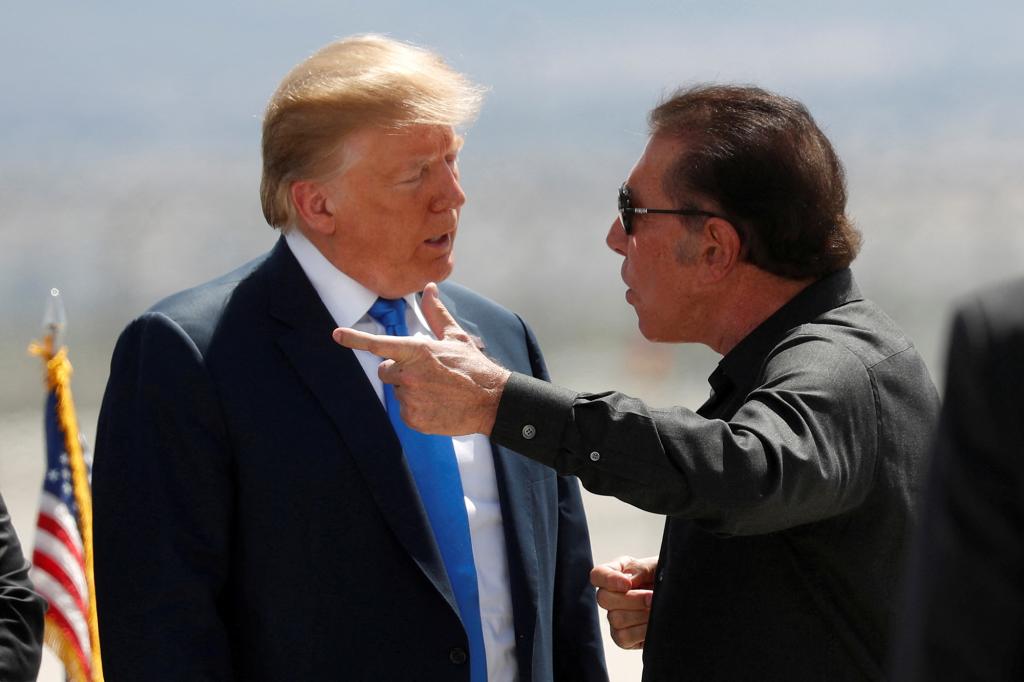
(262, 512)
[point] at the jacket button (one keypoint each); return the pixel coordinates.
(595, 456)
(529, 431)
(457, 655)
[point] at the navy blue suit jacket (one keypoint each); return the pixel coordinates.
(255, 518)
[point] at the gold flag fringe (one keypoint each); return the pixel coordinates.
(65, 650)
(58, 380)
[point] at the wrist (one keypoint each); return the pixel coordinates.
(493, 387)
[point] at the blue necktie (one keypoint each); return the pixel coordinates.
(436, 471)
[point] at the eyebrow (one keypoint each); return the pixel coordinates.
(456, 145)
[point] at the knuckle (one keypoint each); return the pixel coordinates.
(421, 351)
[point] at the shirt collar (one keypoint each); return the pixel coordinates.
(346, 300)
(743, 362)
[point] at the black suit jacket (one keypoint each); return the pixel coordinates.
(965, 609)
(255, 518)
(21, 609)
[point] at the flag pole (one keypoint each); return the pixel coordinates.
(54, 319)
(58, 380)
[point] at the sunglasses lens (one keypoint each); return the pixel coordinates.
(625, 215)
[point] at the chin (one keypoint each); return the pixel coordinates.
(443, 272)
(652, 332)
(654, 338)
(646, 331)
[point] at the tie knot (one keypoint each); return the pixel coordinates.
(390, 312)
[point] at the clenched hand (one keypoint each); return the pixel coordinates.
(625, 588)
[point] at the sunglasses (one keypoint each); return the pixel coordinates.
(627, 210)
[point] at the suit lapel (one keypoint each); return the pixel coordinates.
(336, 378)
(469, 326)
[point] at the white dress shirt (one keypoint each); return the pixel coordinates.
(349, 303)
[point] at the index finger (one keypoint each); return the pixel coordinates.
(397, 348)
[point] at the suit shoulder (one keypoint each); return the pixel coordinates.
(997, 312)
(477, 307)
(198, 310)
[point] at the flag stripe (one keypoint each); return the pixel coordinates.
(58, 552)
(62, 608)
(60, 534)
(44, 562)
(58, 511)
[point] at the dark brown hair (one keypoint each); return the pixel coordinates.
(763, 160)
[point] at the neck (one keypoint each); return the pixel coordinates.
(750, 296)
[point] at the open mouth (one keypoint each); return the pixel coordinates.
(441, 240)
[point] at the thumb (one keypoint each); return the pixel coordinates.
(441, 322)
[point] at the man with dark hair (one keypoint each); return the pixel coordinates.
(790, 492)
(766, 163)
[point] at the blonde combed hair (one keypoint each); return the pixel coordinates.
(359, 81)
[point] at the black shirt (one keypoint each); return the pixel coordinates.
(789, 494)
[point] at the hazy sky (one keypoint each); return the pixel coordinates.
(129, 139)
(123, 76)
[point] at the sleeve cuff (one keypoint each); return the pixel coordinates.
(532, 416)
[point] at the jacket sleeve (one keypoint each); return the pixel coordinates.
(578, 646)
(802, 447)
(21, 609)
(162, 495)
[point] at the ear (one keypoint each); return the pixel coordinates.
(721, 250)
(314, 206)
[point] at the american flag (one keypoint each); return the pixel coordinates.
(62, 560)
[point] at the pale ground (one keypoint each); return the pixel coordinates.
(615, 527)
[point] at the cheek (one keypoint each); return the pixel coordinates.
(649, 268)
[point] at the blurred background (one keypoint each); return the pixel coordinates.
(129, 168)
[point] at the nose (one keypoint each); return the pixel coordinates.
(616, 239)
(449, 195)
